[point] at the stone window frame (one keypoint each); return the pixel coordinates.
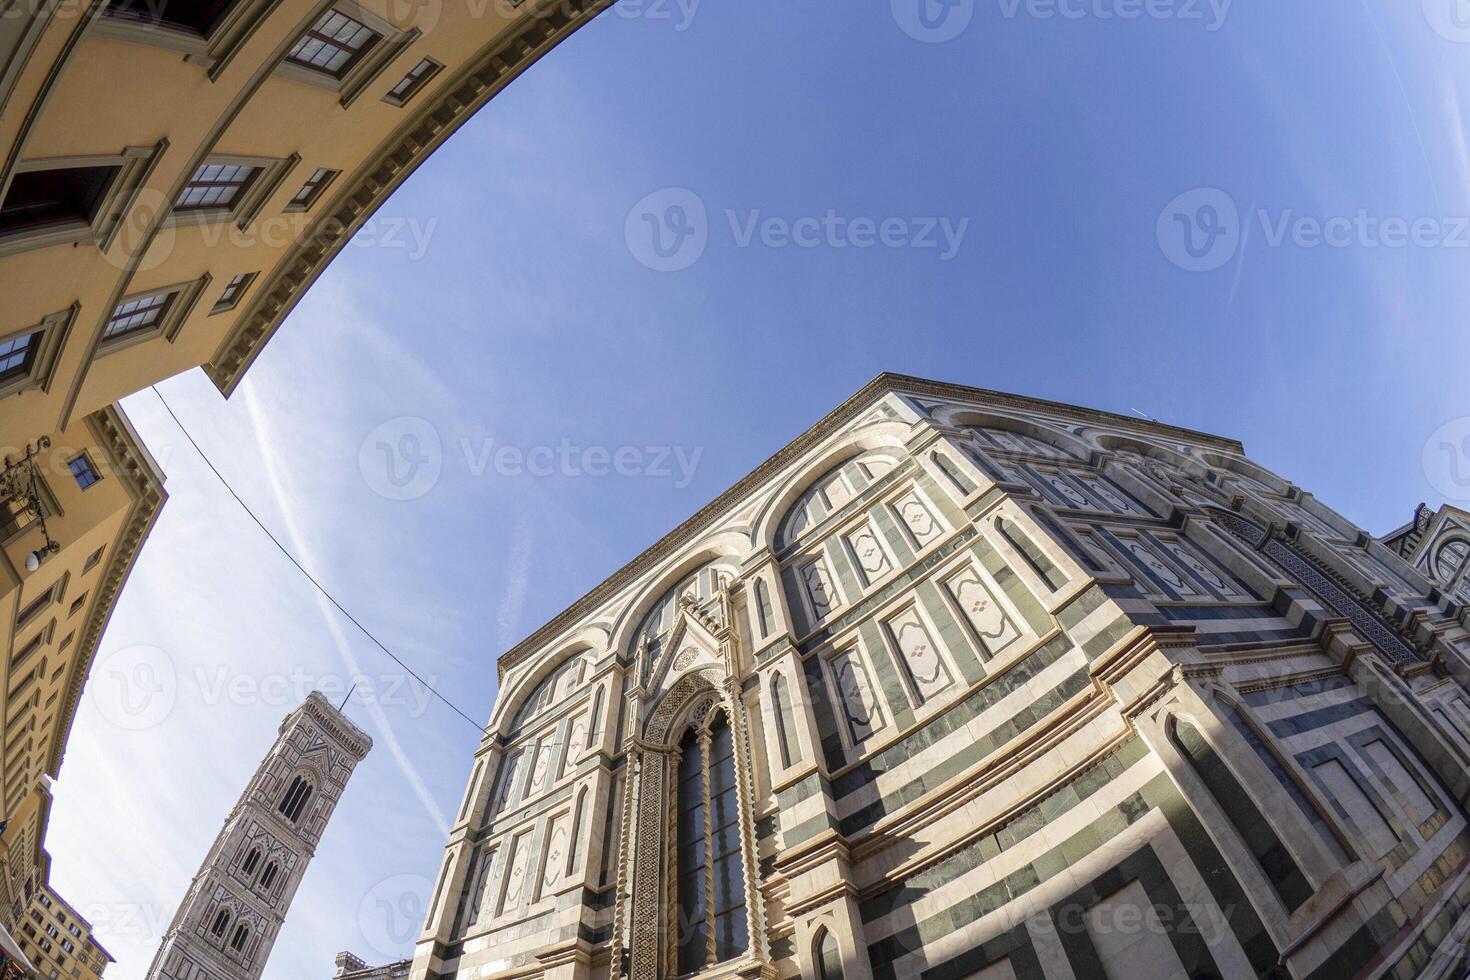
(212, 52)
(539, 891)
(134, 164)
(1422, 831)
(1238, 820)
(185, 297)
(853, 646)
(889, 504)
(817, 553)
(392, 41)
(89, 467)
(864, 520)
(921, 706)
(1115, 538)
(1026, 638)
(234, 291)
(246, 205)
(53, 329)
(311, 190)
(992, 530)
(35, 610)
(1228, 699)
(413, 82)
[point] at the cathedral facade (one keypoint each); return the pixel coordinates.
(970, 685)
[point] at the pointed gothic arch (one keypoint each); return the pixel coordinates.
(826, 955)
(696, 721)
(298, 794)
(832, 490)
(1005, 433)
(700, 580)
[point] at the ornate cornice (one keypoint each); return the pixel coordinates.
(132, 464)
(541, 26)
(348, 735)
(845, 413)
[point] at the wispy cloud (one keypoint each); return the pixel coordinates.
(284, 500)
(508, 613)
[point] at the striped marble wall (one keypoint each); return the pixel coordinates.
(1018, 690)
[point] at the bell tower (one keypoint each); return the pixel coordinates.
(229, 919)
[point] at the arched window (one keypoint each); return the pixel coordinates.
(1450, 561)
(953, 475)
(1254, 829)
(596, 717)
(544, 693)
(580, 815)
(712, 926)
(1035, 557)
(295, 799)
(762, 608)
(829, 959)
(833, 491)
(252, 861)
(237, 941)
(221, 922)
(781, 707)
(268, 875)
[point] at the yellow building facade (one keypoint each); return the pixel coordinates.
(173, 176)
(57, 941)
(98, 493)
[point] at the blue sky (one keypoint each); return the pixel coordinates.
(1067, 156)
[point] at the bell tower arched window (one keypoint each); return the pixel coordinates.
(268, 875)
(252, 860)
(294, 802)
(242, 933)
(221, 922)
(709, 879)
